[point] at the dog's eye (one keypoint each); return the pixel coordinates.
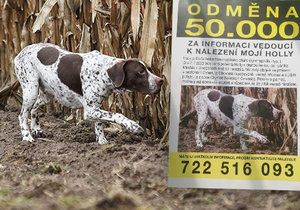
(141, 72)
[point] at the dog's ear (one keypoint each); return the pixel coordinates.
(116, 73)
(253, 107)
(265, 109)
(261, 108)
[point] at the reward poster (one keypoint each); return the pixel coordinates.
(234, 101)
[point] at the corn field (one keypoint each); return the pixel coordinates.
(283, 133)
(123, 29)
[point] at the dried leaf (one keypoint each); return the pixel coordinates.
(135, 18)
(102, 11)
(75, 7)
(14, 4)
(124, 23)
(114, 9)
(94, 4)
(40, 20)
(85, 41)
(31, 6)
(149, 31)
(25, 38)
(61, 6)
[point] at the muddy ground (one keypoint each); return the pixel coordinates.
(222, 140)
(68, 170)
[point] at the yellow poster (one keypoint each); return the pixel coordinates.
(234, 85)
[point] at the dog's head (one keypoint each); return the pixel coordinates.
(264, 108)
(134, 75)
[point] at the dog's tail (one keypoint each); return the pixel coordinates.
(186, 118)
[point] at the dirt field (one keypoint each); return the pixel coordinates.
(224, 143)
(68, 170)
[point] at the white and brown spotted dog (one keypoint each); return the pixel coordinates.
(78, 80)
(230, 111)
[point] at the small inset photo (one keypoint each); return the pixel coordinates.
(238, 120)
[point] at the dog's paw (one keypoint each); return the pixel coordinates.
(136, 129)
(244, 147)
(199, 143)
(260, 137)
(102, 141)
(28, 138)
(263, 139)
(204, 139)
(38, 134)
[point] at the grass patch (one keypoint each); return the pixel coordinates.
(3, 192)
(76, 202)
(8, 201)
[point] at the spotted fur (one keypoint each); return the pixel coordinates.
(77, 80)
(231, 111)
(213, 95)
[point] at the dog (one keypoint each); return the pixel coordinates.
(78, 80)
(230, 111)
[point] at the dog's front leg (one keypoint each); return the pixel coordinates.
(97, 114)
(100, 133)
(243, 143)
(244, 132)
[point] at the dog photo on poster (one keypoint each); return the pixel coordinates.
(214, 120)
(234, 121)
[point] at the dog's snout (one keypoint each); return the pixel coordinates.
(157, 85)
(160, 81)
(280, 113)
(277, 114)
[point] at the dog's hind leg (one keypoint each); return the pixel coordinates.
(42, 99)
(202, 112)
(28, 79)
(30, 94)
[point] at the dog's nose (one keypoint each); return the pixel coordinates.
(278, 115)
(160, 81)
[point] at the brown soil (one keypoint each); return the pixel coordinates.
(68, 170)
(222, 140)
